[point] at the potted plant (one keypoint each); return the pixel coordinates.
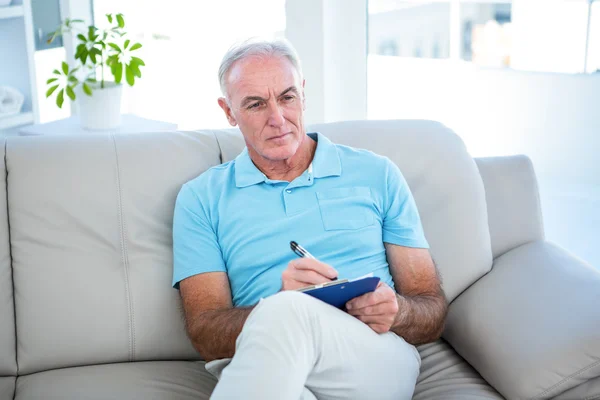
(100, 53)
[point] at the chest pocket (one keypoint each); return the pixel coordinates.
(346, 208)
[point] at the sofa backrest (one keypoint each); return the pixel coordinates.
(444, 181)
(8, 363)
(91, 223)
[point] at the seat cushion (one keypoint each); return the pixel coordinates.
(8, 362)
(7, 387)
(446, 376)
(164, 380)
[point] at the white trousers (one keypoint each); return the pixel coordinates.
(294, 346)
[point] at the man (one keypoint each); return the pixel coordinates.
(350, 208)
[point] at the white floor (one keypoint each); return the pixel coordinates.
(572, 218)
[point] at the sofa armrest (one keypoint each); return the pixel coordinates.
(513, 204)
(531, 327)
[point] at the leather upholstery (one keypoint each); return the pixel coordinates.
(531, 326)
(8, 362)
(446, 376)
(152, 380)
(91, 221)
(513, 201)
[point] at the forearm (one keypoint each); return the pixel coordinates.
(420, 319)
(214, 332)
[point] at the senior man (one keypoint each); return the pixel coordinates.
(350, 208)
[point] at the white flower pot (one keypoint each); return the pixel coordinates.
(101, 110)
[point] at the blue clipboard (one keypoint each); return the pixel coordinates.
(339, 293)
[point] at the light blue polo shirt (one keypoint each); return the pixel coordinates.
(233, 219)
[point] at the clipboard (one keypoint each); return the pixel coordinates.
(338, 293)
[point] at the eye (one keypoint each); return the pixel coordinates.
(288, 98)
(254, 105)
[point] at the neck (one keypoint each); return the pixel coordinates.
(291, 168)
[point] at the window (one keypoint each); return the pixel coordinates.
(412, 29)
(548, 36)
(184, 41)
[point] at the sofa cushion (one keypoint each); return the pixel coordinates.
(445, 376)
(8, 362)
(531, 326)
(444, 181)
(91, 223)
(160, 380)
(7, 387)
(513, 201)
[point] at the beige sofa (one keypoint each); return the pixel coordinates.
(87, 311)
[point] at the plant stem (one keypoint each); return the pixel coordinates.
(102, 68)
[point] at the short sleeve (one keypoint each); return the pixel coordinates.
(401, 220)
(195, 246)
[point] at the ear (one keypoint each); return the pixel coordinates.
(228, 113)
(303, 96)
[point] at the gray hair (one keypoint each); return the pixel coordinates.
(257, 47)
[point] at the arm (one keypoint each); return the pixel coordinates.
(212, 323)
(418, 312)
(422, 306)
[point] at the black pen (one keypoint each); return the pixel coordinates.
(302, 252)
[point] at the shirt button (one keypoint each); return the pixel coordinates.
(288, 191)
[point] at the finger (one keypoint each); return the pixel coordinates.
(379, 328)
(376, 309)
(308, 277)
(383, 320)
(314, 265)
(367, 299)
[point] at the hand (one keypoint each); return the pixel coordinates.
(304, 272)
(377, 309)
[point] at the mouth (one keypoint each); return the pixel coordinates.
(280, 136)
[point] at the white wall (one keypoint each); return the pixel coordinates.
(331, 39)
(553, 118)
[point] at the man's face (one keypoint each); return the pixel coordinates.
(266, 100)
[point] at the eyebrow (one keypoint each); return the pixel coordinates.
(248, 99)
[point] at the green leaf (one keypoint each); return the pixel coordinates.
(118, 71)
(51, 90)
(129, 75)
(135, 68)
(135, 47)
(137, 60)
(57, 72)
(91, 30)
(115, 47)
(49, 81)
(84, 57)
(72, 79)
(109, 16)
(126, 44)
(65, 67)
(92, 80)
(60, 98)
(120, 20)
(93, 56)
(81, 37)
(70, 93)
(87, 90)
(76, 20)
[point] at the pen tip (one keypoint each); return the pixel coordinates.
(293, 245)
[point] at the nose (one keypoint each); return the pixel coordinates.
(276, 119)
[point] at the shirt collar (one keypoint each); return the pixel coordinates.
(326, 162)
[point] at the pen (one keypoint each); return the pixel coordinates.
(302, 252)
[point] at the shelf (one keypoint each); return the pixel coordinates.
(13, 121)
(11, 12)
